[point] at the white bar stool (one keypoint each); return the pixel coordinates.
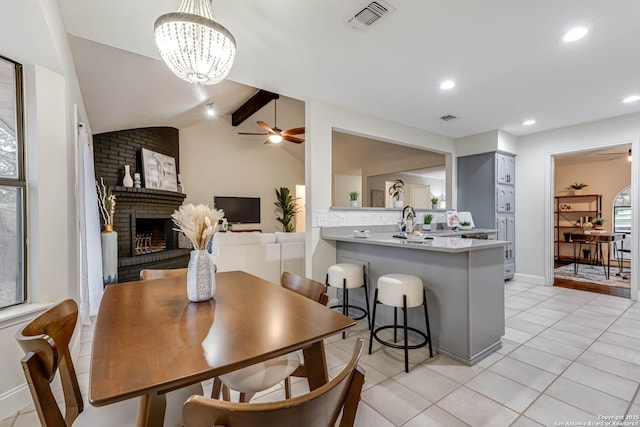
(346, 277)
(401, 291)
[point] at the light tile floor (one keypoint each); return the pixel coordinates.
(566, 355)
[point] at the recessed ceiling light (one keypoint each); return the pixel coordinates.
(575, 34)
(211, 112)
(447, 84)
(529, 122)
(632, 98)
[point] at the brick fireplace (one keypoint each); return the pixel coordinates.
(143, 216)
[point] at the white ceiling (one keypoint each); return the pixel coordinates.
(505, 56)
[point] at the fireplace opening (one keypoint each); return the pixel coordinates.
(153, 235)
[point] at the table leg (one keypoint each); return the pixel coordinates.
(608, 260)
(575, 261)
(151, 409)
(315, 363)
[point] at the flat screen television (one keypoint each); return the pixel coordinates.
(239, 210)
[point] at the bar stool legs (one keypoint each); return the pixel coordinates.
(391, 298)
(337, 277)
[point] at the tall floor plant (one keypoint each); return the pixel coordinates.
(287, 208)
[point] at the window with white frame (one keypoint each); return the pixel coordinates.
(12, 186)
(622, 212)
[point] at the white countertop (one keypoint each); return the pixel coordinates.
(441, 241)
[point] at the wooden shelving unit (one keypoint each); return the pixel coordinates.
(567, 219)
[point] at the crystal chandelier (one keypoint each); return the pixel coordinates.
(194, 46)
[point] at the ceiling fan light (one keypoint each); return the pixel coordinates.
(275, 138)
(196, 48)
(211, 111)
(629, 156)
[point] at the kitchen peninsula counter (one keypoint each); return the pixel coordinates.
(464, 279)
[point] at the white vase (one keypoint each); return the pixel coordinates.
(354, 203)
(109, 242)
(398, 204)
(201, 277)
(426, 227)
(127, 181)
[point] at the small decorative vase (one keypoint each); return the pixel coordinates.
(201, 278)
(109, 241)
(426, 227)
(398, 203)
(434, 206)
(127, 181)
(136, 180)
(354, 203)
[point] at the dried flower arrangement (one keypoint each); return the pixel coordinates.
(198, 223)
(106, 201)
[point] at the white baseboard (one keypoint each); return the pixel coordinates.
(529, 278)
(14, 400)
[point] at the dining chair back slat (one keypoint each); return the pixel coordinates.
(319, 408)
(150, 274)
(304, 286)
(45, 341)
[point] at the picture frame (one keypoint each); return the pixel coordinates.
(377, 198)
(159, 171)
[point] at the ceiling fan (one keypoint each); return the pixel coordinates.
(276, 135)
(615, 155)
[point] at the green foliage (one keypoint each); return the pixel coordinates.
(434, 200)
(599, 221)
(465, 223)
(428, 218)
(396, 189)
(353, 195)
(285, 203)
(577, 186)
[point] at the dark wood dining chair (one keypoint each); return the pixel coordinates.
(247, 381)
(319, 408)
(45, 341)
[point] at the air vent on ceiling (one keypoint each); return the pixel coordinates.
(368, 14)
(448, 117)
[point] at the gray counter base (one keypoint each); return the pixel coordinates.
(465, 294)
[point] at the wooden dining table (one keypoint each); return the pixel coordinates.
(149, 339)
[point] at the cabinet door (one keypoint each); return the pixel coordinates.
(501, 169)
(501, 199)
(511, 170)
(511, 234)
(509, 200)
(505, 169)
(501, 226)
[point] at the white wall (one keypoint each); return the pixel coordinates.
(214, 160)
(321, 120)
(31, 33)
(534, 186)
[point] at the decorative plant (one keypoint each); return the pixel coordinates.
(396, 189)
(198, 223)
(577, 186)
(434, 200)
(599, 221)
(428, 218)
(285, 203)
(106, 202)
(465, 223)
(567, 236)
(353, 196)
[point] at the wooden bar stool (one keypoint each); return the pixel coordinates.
(346, 277)
(401, 291)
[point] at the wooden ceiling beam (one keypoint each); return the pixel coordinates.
(255, 103)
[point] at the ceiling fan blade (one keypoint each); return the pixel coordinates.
(266, 127)
(293, 139)
(294, 131)
(252, 133)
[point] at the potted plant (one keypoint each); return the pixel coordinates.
(395, 191)
(353, 196)
(465, 225)
(576, 188)
(567, 236)
(426, 226)
(598, 223)
(434, 203)
(285, 203)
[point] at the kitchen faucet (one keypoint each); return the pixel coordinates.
(411, 212)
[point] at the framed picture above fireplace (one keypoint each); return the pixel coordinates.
(159, 171)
